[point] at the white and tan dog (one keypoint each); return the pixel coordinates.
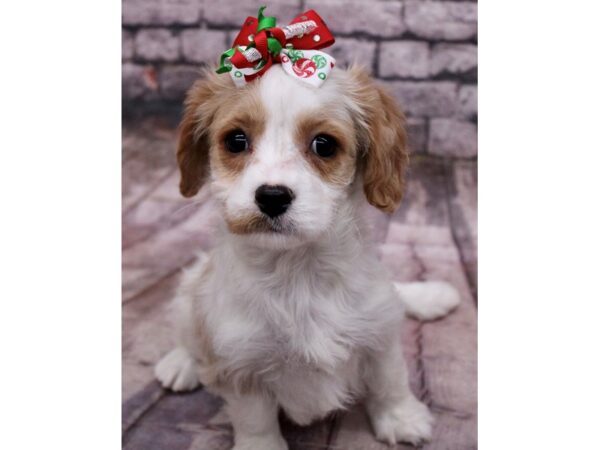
(292, 309)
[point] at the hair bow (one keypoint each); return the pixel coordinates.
(260, 44)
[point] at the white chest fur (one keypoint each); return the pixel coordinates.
(299, 322)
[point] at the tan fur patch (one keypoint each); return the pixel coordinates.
(201, 105)
(339, 168)
(245, 113)
(213, 107)
(249, 224)
(386, 153)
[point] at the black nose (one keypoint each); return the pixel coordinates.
(273, 200)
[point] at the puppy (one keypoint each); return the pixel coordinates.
(292, 309)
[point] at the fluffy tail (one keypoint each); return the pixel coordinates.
(428, 300)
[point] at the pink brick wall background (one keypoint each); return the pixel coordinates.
(424, 51)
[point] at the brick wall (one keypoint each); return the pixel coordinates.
(424, 51)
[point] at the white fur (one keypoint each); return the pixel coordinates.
(428, 300)
(178, 370)
(310, 317)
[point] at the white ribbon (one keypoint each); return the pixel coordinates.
(310, 66)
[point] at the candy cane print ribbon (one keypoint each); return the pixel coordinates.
(260, 44)
(310, 66)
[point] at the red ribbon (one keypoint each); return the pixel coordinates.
(305, 42)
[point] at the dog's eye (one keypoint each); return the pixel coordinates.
(323, 146)
(236, 141)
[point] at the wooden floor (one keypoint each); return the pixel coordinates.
(432, 236)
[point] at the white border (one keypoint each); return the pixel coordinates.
(60, 168)
(60, 203)
(539, 216)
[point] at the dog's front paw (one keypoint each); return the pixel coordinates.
(409, 421)
(261, 443)
(178, 371)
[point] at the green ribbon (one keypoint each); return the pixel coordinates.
(224, 66)
(264, 23)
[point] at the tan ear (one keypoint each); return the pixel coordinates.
(194, 141)
(385, 156)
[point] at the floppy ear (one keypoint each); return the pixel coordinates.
(194, 140)
(385, 154)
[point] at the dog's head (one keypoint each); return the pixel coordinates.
(282, 157)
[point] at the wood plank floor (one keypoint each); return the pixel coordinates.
(432, 236)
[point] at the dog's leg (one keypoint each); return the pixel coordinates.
(255, 424)
(178, 370)
(395, 414)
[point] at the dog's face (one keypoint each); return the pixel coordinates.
(282, 157)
